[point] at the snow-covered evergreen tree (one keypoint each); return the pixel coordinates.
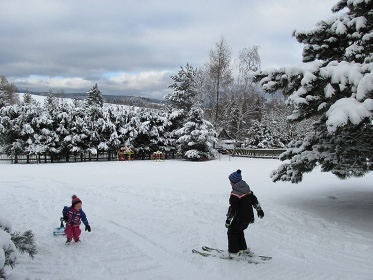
(51, 102)
(150, 132)
(129, 127)
(184, 93)
(176, 119)
(27, 98)
(10, 242)
(126, 122)
(94, 97)
(182, 98)
(77, 141)
(196, 137)
(8, 131)
(334, 85)
(164, 140)
(19, 127)
(260, 136)
(108, 131)
(43, 137)
(94, 125)
(63, 122)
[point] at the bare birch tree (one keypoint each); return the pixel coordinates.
(219, 71)
(8, 92)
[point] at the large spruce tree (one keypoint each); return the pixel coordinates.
(184, 93)
(335, 85)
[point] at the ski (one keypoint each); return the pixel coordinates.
(223, 254)
(227, 256)
(209, 249)
(203, 254)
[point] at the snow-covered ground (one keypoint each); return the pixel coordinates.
(147, 216)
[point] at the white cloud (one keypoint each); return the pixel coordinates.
(53, 82)
(144, 80)
(79, 43)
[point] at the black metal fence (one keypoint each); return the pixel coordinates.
(75, 157)
(113, 156)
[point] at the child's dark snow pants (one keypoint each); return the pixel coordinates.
(236, 237)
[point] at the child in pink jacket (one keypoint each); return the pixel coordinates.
(73, 216)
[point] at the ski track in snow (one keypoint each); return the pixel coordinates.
(146, 217)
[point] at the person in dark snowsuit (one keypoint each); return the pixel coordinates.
(240, 213)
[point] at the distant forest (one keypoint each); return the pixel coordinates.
(112, 99)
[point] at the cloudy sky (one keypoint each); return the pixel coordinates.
(131, 47)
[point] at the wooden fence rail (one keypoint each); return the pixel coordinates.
(256, 153)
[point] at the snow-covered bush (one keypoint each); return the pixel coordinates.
(10, 243)
(8, 256)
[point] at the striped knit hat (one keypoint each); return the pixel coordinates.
(75, 200)
(235, 177)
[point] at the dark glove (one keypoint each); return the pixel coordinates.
(88, 227)
(230, 216)
(260, 213)
(65, 218)
(227, 223)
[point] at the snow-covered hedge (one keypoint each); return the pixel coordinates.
(58, 129)
(61, 128)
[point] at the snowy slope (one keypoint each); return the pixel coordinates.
(147, 216)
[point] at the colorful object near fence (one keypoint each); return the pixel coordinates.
(158, 156)
(125, 153)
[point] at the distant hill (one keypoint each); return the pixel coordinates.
(113, 99)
